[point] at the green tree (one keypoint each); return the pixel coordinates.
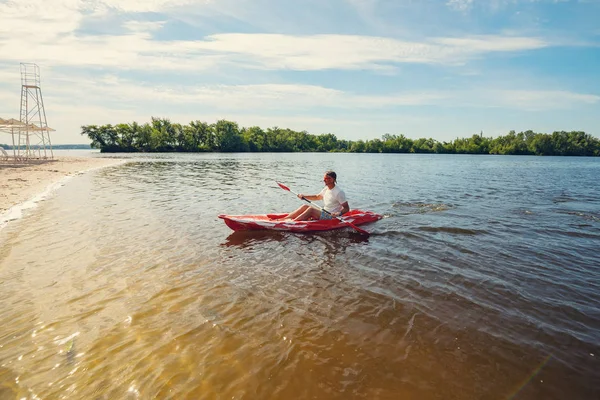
(373, 146)
(227, 137)
(326, 142)
(256, 139)
(198, 136)
(358, 146)
(143, 138)
(541, 145)
(423, 146)
(93, 133)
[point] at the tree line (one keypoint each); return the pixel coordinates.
(161, 135)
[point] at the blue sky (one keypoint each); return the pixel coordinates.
(355, 68)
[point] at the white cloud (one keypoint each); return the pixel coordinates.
(137, 6)
(113, 92)
(295, 98)
(460, 5)
(495, 5)
(317, 52)
(540, 100)
(263, 97)
(492, 43)
(137, 50)
(39, 20)
(49, 33)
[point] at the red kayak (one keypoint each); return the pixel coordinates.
(271, 222)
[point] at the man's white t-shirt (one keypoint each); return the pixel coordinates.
(333, 199)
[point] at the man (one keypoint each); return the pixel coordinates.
(333, 197)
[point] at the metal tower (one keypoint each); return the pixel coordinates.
(34, 134)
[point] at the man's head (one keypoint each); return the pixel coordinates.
(331, 175)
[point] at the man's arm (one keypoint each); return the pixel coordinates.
(345, 209)
(311, 197)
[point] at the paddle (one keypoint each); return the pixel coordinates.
(361, 231)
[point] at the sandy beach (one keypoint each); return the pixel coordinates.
(21, 182)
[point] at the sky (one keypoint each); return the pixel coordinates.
(359, 69)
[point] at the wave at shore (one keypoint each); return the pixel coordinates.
(23, 186)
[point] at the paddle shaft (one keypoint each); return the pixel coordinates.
(361, 231)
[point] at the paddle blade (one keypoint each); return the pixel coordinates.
(281, 185)
(356, 228)
(361, 231)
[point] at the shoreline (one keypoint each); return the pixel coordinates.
(22, 186)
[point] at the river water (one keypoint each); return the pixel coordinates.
(482, 281)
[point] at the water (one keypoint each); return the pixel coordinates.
(481, 282)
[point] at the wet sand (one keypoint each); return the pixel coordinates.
(21, 182)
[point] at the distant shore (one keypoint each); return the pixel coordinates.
(162, 136)
(22, 182)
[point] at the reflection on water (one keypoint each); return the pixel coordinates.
(336, 240)
(249, 239)
(480, 282)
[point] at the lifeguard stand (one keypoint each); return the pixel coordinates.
(34, 134)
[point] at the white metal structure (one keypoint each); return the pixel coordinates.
(33, 133)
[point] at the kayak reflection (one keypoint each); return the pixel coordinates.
(340, 237)
(249, 238)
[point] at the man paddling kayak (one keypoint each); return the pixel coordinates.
(333, 198)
